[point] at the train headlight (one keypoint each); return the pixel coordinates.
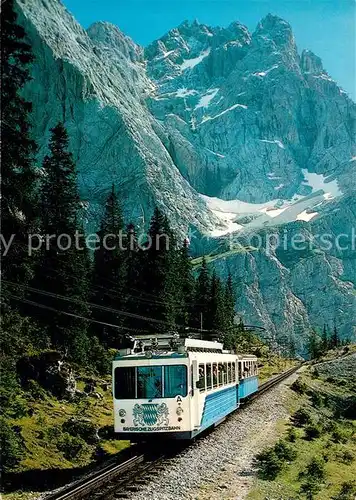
(122, 413)
(179, 410)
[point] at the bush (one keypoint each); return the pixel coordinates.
(346, 457)
(82, 428)
(347, 491)
(317, 399)
(70, 446)
(315, 471)
(312, 431)
(11, 445)
(284, 451)
(36, 391)
(99, 358)
(310, 489)
(268, 464)
(339, 435)
(292, 435)
(299, 386)
(301, 417)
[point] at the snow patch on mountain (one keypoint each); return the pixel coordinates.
(319, 181)
(208, 118)
(191, 63)
(184, 92)
(275, 141)
(206, 99)
(306, 216)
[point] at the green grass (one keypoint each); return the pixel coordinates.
(212, 257)
(44, 425)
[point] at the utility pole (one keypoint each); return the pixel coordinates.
(201, 326)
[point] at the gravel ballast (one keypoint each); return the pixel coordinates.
(219, 466)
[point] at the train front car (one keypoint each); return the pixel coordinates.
(151, 399)
(178, 393)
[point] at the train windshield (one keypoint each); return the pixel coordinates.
(150, 382)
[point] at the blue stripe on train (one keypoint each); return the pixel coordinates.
(217, 405)
(247, 386)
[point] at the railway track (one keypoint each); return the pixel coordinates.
(110, 480)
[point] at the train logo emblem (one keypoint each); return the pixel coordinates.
(150, 414)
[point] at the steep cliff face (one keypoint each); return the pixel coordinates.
(230, 133)
(289, 288)
(96, 83)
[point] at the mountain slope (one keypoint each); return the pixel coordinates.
(252, 112)
(97, 88)
(232, 134)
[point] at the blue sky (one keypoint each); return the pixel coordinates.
(327, 27)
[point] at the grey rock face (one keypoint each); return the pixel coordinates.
(256, 112)
(96, 83)
(220, 112)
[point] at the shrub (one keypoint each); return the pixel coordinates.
(350, 410)
(310, 489)
(346, 456)
(317, 399)
(82, 428)
(11, 445)
(284, 451)
(36, 391)
(315, 471)
(312, 431)
(347, 491)
(299, 386)
(268, 464)
(99, 357)
(70, 446)
(339, 435)
(292, 435)
(18, 407)
(301, 417)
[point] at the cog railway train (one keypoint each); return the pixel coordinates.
(175, 390)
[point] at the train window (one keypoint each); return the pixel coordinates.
(225, 374)
(233, 371)
(229, 378)
(175, 381)
(125, 382)
(215, 375)
(239, 364)
(220, 373)
(201, 381)
(208, 376)
(149, 382)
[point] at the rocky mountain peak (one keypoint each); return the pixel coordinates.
(311, 63)
(112, 37)
(275, 29)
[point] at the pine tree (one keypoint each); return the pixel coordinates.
(335, 341)
(202, 297)
(216, 312)
(314, 345)
(325, 340)
(135, 259)
(229, 303)
(158, 279)
(291, 347)
(63, 268)
(185, 285)
(109, 274)
(18, 174)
